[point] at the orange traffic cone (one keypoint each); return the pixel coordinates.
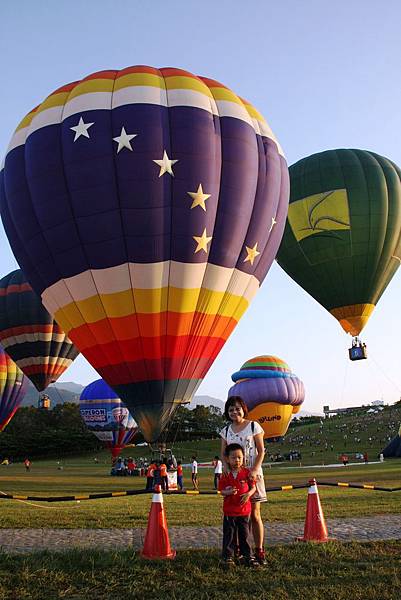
(315, 529)
(157, 543)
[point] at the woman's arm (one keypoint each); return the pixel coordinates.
(260, 453)
(223, 456)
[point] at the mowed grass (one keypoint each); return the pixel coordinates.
(82, 476)
(333, 571)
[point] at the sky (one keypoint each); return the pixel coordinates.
(324, 75)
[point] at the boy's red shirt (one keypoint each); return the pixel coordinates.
(179, 470)
(243, 483)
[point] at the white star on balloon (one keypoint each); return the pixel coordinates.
(81, 129)
(165, 164)
(274, 222)
(124, 140)
(201, 241)
(252, 253)
(199, 198)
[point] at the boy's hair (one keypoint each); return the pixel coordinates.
(217, 457)
(231, 402)
(178, 462)
(232, 448)
(193, 457)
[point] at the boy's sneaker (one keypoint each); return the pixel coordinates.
(228, 562)
(260, 556)
(250, 561)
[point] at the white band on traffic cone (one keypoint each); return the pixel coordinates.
(312, 489)
(157, 497)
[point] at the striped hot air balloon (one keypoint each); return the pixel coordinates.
(13, 386)
(271, 392)
(106, 416)
(29, 334)
(145, 207)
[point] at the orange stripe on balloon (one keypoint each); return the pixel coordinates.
(138, 69)
(151, 325)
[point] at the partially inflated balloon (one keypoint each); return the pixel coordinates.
(342, 241)
(13, 386)
(145, 206)
(106, 416)
(29, 334)
(271, 392)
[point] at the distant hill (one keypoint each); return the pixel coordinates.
(70, 386)
(307, 413)
(206, 401)
(56, 392)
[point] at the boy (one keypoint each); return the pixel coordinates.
(236, 487)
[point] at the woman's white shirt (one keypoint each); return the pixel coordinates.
(246, 439)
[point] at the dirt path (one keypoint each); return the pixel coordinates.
(381, 527)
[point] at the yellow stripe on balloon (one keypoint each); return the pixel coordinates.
(92, 85)
(139, 79)
(122, 304)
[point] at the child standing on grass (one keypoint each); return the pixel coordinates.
(237, 487)
(180, 481)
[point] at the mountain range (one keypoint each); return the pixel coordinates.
(69, 391)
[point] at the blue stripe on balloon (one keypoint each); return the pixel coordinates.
(255, 374)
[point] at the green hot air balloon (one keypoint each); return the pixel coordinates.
(342, 240)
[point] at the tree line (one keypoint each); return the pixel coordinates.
(60, 431)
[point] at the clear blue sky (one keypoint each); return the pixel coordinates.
(324, 75)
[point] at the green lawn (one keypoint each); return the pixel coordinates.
(83, 476)
(332, 571)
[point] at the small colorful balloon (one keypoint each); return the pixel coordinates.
(271, 392)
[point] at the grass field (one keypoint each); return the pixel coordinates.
(84, 476)
(333, 571)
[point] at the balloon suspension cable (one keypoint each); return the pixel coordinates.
(344, 382)
(397, 387)
(54, 387)
(178, 425)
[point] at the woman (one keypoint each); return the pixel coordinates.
(249, 434)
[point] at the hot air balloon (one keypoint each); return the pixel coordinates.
(342, 240)
(145, 207)
(106, 416)
(29, 334)
(13, 386)
(271, 392)
(393, 449)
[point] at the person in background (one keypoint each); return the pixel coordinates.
(163, 476)
(365, 458)
(157, 480)
(249, 435)
(180, 476)
(149, 476)
(218, 470)
(194, 473)
(27, 464)
(237, 487)
(131, 466)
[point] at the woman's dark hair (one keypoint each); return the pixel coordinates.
(231, 402)
(232, 448)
